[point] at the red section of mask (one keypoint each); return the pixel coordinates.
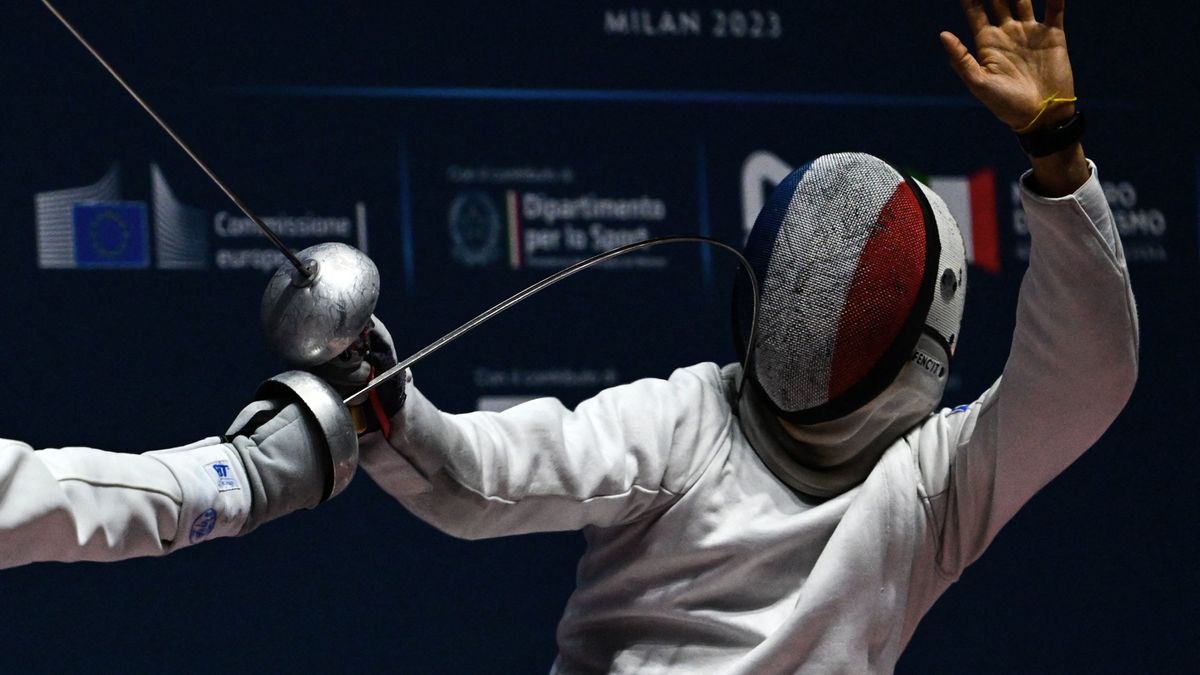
(882, 292)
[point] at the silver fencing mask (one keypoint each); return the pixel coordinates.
(862, 272)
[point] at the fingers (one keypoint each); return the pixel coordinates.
(1001, 11)
(1054, 13)
(961, 60)
(977, 18)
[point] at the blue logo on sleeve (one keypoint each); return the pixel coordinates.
(203, 525)
(111, 234)
(962, 408)
(225, 477)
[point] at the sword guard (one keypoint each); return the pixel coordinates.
(309, 321)
(323, 406)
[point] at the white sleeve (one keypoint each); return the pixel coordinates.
(1071, 369)
(73, 504)
(541, 467)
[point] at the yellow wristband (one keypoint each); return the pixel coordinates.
(359, 416)
(1050, 100)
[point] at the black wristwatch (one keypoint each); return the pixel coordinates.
(1051, 139)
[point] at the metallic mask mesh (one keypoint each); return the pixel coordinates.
(840, 250)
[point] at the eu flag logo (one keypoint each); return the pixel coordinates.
(111, 234)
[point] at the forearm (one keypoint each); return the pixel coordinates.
(1072, 367)
(282, 453)
(82, 504)
(542, 467)
(1073, 361)
(485, 475)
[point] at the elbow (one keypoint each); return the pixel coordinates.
(1116, 372)
(454, 514)
(464, 528)
(1129, 371)
(1125, 363)
(469, 533)
(1126, 378)
(1120, 373)
(1119, 387)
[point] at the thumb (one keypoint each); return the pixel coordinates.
(964, 65)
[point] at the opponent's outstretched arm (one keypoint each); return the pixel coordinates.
(1073, 361)
(70, 504)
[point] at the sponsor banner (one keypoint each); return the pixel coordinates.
(110, 234)
(242, 245)
(1141, 223)
(488, 378)
(972, 201)
(496, 385)
(524, 226)
(500, 403)
(96, 226)
(55, 214)
(535, 215)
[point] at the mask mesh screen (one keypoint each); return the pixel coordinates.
(840, 251)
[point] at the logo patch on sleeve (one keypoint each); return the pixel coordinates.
(203, 525)
(223, 473)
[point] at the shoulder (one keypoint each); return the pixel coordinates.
(701, 385)
(934, 442)
(698, 410)
(709, 376)
(12, 451)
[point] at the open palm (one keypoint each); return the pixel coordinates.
(1019, 62)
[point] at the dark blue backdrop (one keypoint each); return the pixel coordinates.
(430, 133)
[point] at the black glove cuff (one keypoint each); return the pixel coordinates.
(1049, 140)
(381, 405)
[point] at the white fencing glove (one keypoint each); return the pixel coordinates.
(283, 453)
(292, 449)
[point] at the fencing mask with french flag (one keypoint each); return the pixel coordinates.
(857, 264)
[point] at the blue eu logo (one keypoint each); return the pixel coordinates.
(111, 234)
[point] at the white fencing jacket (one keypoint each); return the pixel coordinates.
(700, 560)
(70, 504)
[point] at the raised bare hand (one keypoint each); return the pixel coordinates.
(1019, 62)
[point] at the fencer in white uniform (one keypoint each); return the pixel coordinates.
(72, 504)
(807, 522)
